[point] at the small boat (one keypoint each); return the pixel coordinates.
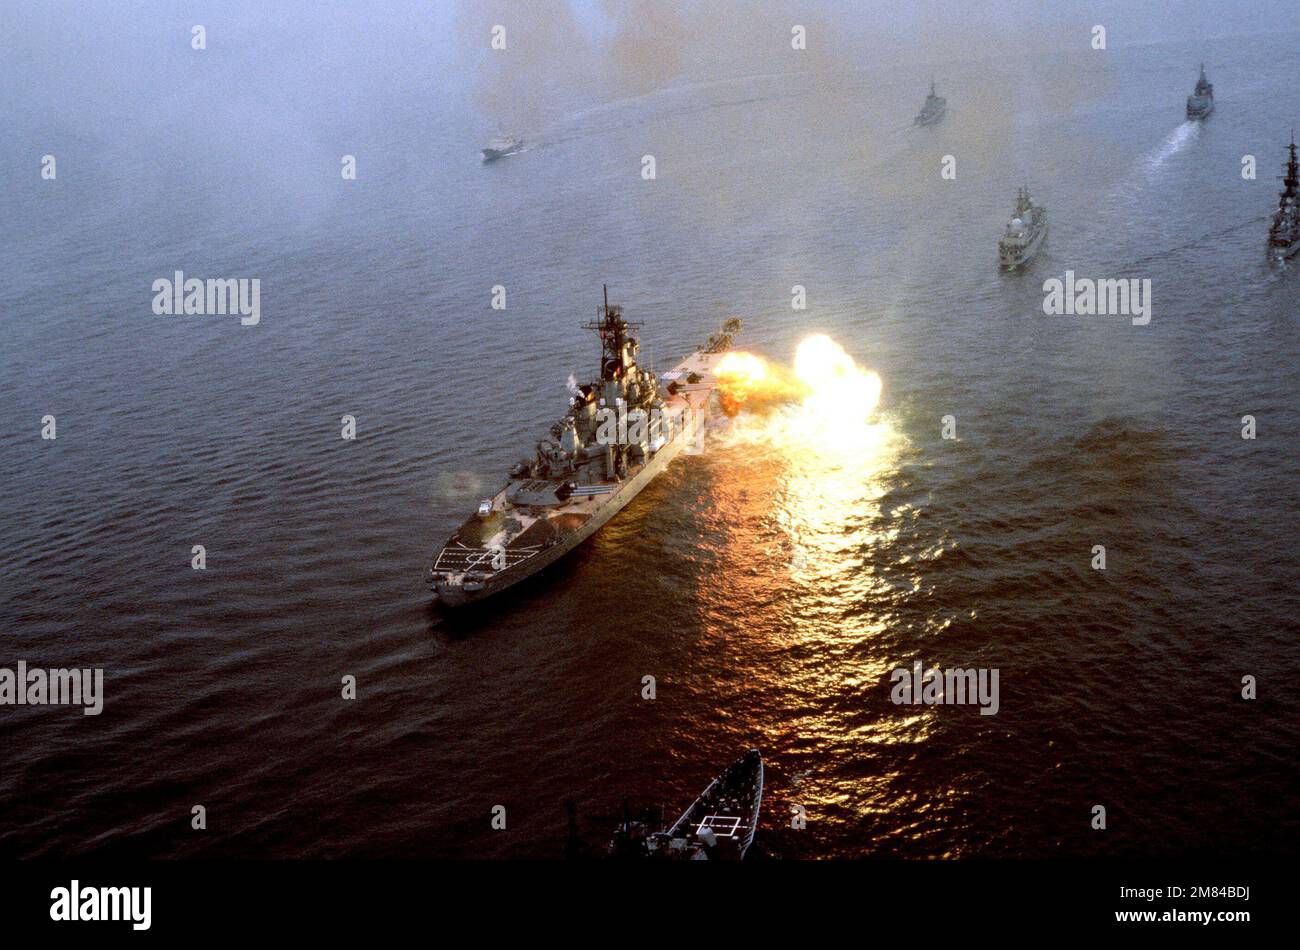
(502, 146)
(1201, 102)
(719, 825)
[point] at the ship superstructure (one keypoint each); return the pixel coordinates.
(1025, 232)
(1284, 231)
(621, 430)
(1201, 102)
(934, 109)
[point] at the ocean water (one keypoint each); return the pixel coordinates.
(769, 587)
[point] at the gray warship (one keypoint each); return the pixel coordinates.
(620, 431)
(1284, 230)
(1201, 102)
(934, 109)
(719, 825)
(1025, 231)
(501, 146)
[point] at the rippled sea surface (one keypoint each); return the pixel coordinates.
(768, 585)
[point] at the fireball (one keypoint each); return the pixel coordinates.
(741, 371)
(841, 393)
(749, 381)
(828, 391)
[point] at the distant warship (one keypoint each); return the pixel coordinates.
(719, 825)
(1201, 102)
(1025, 231)
(501, 146)
(1284, 232)
(933, 110)
(621, 431)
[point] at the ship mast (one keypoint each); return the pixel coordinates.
(617, 348)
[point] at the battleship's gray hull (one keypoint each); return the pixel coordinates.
(1198, 107)
(457, 596)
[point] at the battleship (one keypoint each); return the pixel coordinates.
(1201, 102)
(1284, 231)
(934, 109)
(502, 146)
(620, 431)
(719, 825)
(1025, 231)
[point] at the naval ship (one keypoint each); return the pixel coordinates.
(501, 146)
(933, 110)
(1284, 231)
(1025, 231)
(719, 825)
(1201, 102)
(620, 431)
